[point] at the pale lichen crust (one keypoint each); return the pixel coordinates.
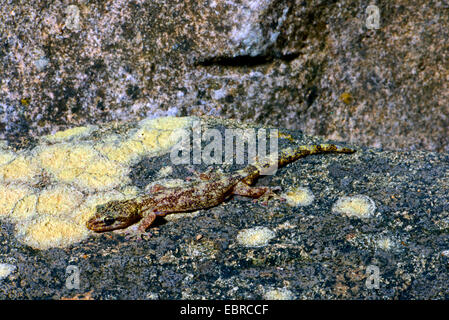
(51, 190)
(299, 197)
(6, 269)
(279, 294)
(255, 237)
(358, 206)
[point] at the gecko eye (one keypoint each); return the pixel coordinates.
(108, 221)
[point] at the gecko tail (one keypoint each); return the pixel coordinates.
(269, 165)
(292, 154)
(320, 148)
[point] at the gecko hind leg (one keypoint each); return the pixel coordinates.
(259, 193)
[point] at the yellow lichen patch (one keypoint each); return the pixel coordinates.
(97, 181)
(25, 207)
(359, 206)
(101, 175)
(59, 200)
(278, 294)
(10, 195)
(51, 191)
(122, 152)
(161, 133)
(148, 137)
(69, 134)
(152, 136)
(77, 160)
(255, 237)
(67, 160)
(48, 231)
(81, 165)
(21, 169)
(167, 139)
(81, 155)
(6, 156)
(299, 197)
(84, 213)
(52, 158)
(167, 123)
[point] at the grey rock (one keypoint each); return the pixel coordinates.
(309, 65)
(312, 252)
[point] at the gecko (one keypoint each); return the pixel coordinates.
(208, 191)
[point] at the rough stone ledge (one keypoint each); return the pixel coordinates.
(344, 215)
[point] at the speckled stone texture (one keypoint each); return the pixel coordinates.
(309, 65)
(372, 210)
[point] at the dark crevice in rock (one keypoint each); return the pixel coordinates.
(246, 60)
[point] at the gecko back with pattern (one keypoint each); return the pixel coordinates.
(208, 192)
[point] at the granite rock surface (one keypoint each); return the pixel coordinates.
(371, 225)
(309, 65)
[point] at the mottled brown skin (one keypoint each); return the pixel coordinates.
(211, 190)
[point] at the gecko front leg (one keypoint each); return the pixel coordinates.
(148, 219)
(242, 189)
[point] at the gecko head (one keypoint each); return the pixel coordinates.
(114, 215)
